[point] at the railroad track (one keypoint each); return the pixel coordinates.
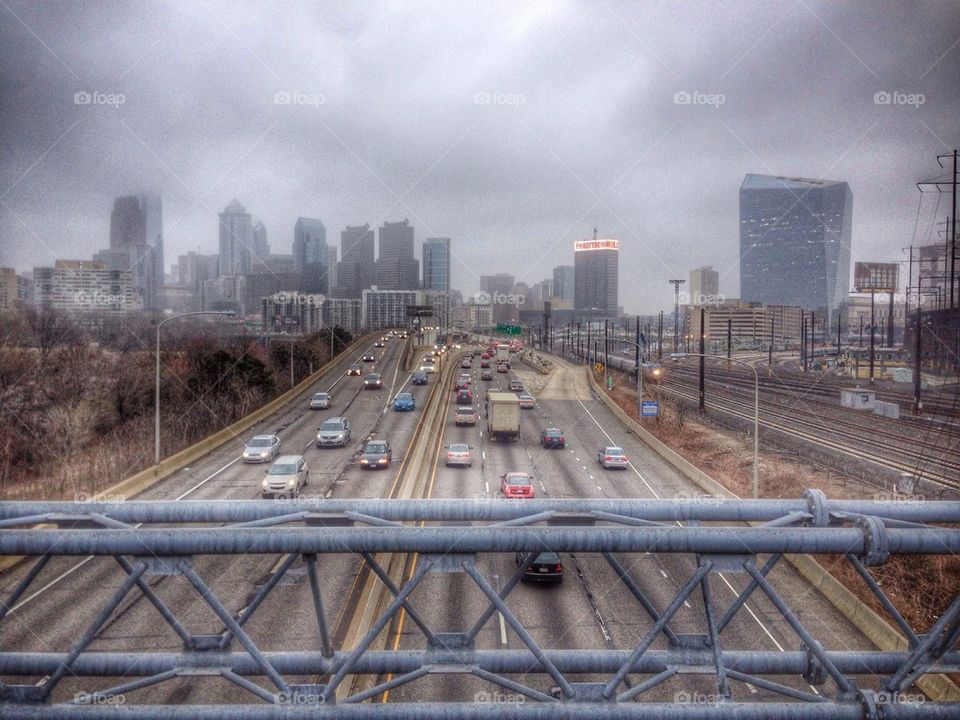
(946, 475)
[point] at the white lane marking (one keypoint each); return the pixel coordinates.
(503, 630)
(663, 573)
(483, 454)
(719, 574)
(577, 459)
(599, 488)
(486, 486)
(83, 562)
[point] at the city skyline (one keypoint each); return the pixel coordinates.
(483, 153)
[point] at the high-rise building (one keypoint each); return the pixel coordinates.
(310, 254)
(397, 269)
(356, 270)
(14, 290)
(236, 241)
(500, 289)
(795, 241)
(436, 264)
(704, 287)
(596, 278)
(563, 282)
(388, 308)
(85, 286)
(136, 243)
(331, 268)
(261, 248)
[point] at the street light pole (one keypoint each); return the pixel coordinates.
(156, 396)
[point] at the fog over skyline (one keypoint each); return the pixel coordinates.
(513, 129)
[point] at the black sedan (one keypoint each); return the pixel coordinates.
(545, 567)
(419, 378)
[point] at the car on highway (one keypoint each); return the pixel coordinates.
(465, 377)
(372, 381)
(261, 448)
(612, 457)
(465, 415)
(286, 477)
(516, 385)
(484, 356)
(428, 368)
(368, 357)
(464, 397)
(516, 485)
(379, 344)
(466, 364)
(429, 359)
(419, 378)
(484, 364)
(486, 375)
(354, 370)
(527, 401)
(320, 401)
(335, 432)
(544, 567)
(553, 438)
(459, 454)
(503, 367)
(460, 384)
(376, 454)
(404, 402)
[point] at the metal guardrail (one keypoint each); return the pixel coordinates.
(543, 683)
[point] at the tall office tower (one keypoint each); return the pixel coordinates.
(261, 248)
(356, 270)
(704, 286)
(436, 264)
(596, 278)
(136, 230)
(795, 241)
(310, 254)
(397, 269)
(563, 282)
(236, 241)
(331, 268)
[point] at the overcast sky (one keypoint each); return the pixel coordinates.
(513, 128)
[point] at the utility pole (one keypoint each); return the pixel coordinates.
(838, 336)
(770, 348)
(729, 339)
(637, 338)
(606, 351)
(872, 346)
(676, 313)
(917, 401)
(812, 357)
(703, 362)
(803, 340)
(660, 337)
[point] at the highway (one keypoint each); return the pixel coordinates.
(590, 609)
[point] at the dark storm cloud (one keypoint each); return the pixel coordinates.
(512, 128)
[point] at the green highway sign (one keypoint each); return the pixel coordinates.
(508, 329)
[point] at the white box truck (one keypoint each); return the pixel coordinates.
(503, 416)
(503, 354)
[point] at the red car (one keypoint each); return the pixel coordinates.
(485, 356)
(516, 485)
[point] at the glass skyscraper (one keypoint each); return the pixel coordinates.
(436, 264)
(795, 241)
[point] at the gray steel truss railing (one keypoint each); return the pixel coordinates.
(743, 537)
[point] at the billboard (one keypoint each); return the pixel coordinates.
(875, 277)
(582, 245)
